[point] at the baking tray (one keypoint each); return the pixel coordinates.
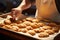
(51, 37)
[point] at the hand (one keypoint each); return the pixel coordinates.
(16, 13)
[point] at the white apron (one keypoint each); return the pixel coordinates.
(47, 9)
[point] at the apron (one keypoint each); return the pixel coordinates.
(47, 9)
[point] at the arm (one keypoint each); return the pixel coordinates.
(24, 5)
(16, 12)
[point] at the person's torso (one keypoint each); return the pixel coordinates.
(46, 8)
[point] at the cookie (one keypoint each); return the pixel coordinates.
(22, 25)
(47, 27)
(50, 31)
(7, 21)
(43, 34)
(37, 30)
(31, 32)
(29, 28)
(40, 24)
(27, 23)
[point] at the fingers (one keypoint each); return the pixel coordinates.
(15, 13)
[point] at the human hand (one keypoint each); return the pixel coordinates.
(16, 13)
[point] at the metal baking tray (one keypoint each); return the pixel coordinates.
(51, 37)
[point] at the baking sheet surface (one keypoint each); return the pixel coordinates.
(51, 37)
